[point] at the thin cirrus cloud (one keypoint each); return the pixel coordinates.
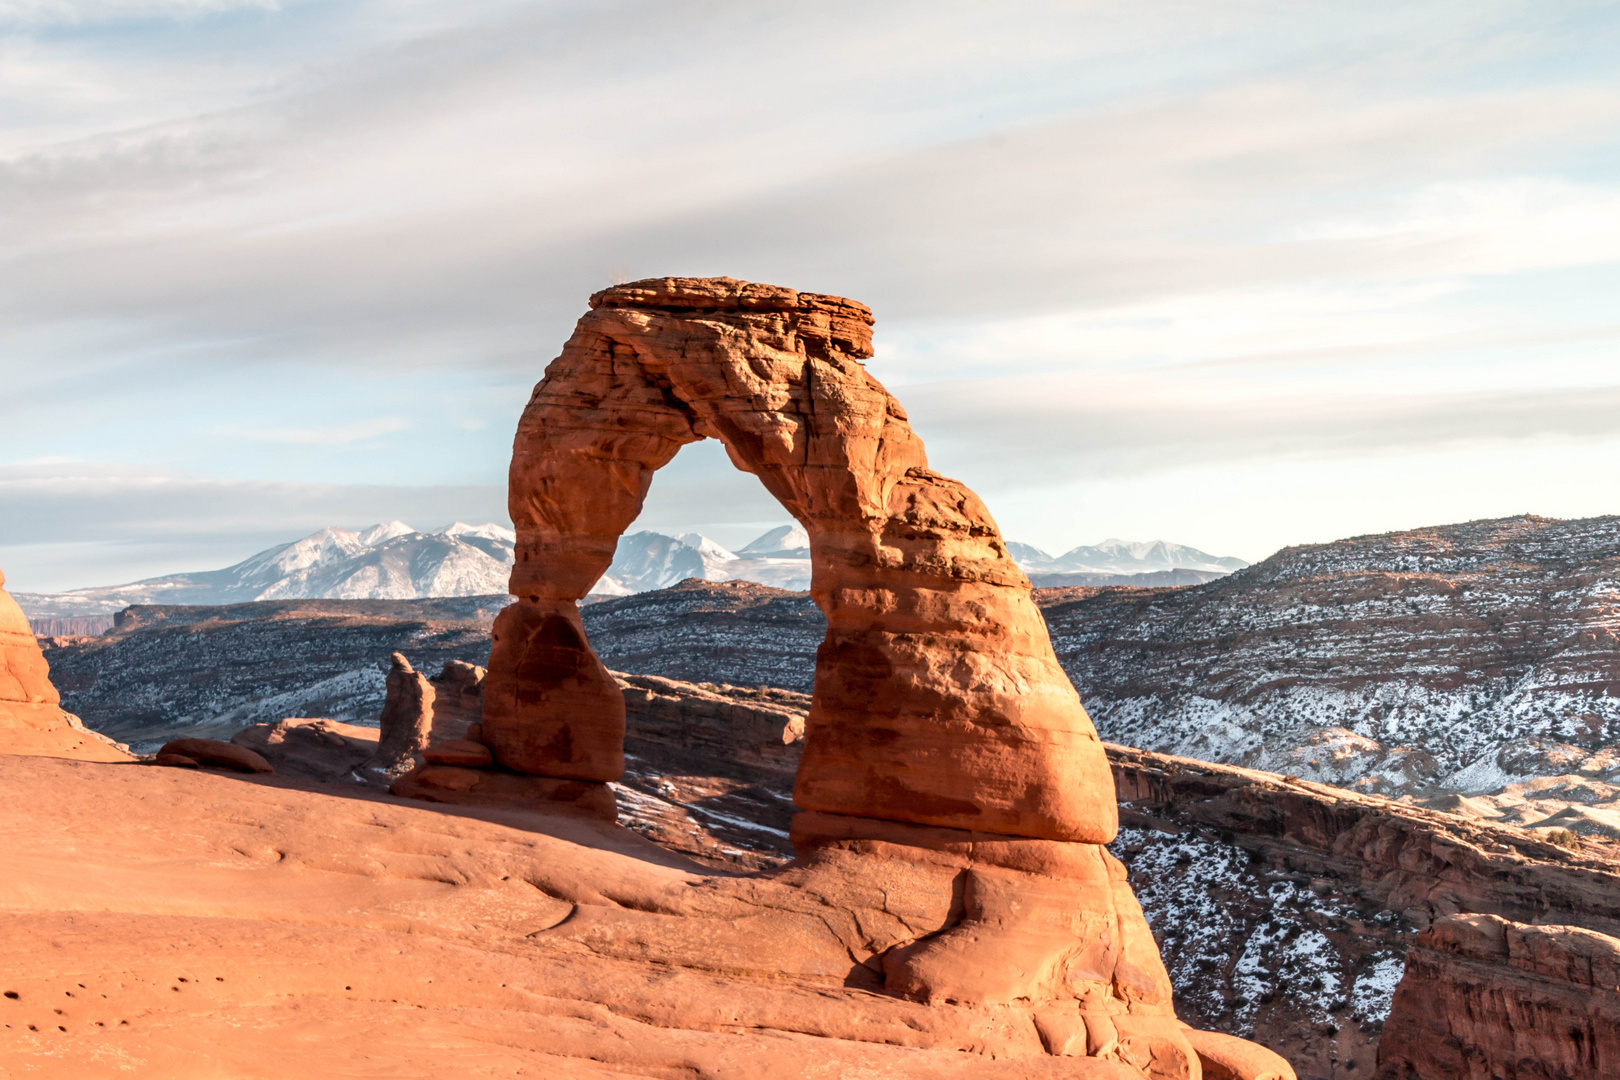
(337, 435)
(332, 244)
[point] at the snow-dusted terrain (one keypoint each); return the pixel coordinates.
(1461, 658)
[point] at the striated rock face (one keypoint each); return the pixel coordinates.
(31, 717)
(1488, 999)
(938, 699)
(1298, 921)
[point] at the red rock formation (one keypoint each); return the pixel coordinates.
(1488, 999)
(31, 716)
(406, 723)
(938, 699)
(310, 747)
(458, 699)
(212, 753)
(945, 754)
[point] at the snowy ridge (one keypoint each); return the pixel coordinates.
(781, 558)
(393, 561)
(1462, 658)
(389, 561)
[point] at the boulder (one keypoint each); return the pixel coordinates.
(499, 790)
(311, 748)
(212, 753)
(32, 720)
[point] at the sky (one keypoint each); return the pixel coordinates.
(1237, 275)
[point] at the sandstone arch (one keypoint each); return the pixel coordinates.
(938, 700)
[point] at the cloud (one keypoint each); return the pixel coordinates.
(321, 436)
(1046, 432)
(252, 242)
(80, 501)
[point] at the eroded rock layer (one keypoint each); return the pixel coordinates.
(1488, 999)
(31, 716)
(938, 700)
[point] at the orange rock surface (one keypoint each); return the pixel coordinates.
(194, 924)
(938, 700)
(31, 716)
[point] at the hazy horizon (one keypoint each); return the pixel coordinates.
(1234, 275)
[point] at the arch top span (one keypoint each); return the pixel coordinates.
(938, 699)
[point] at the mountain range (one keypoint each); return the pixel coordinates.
(393, 561)
(1114, 556)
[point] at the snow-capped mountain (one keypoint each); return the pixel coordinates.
(390, 561)
(393, 561)
(782, 542)
(781, 557)
(1114, 556)
(649, 560)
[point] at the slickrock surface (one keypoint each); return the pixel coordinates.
(257, 927)
(31, 717)
(1497, 1000)
(311, 748)
(938, 700)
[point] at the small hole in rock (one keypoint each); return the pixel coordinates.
(12, 994)
(59, 1027)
